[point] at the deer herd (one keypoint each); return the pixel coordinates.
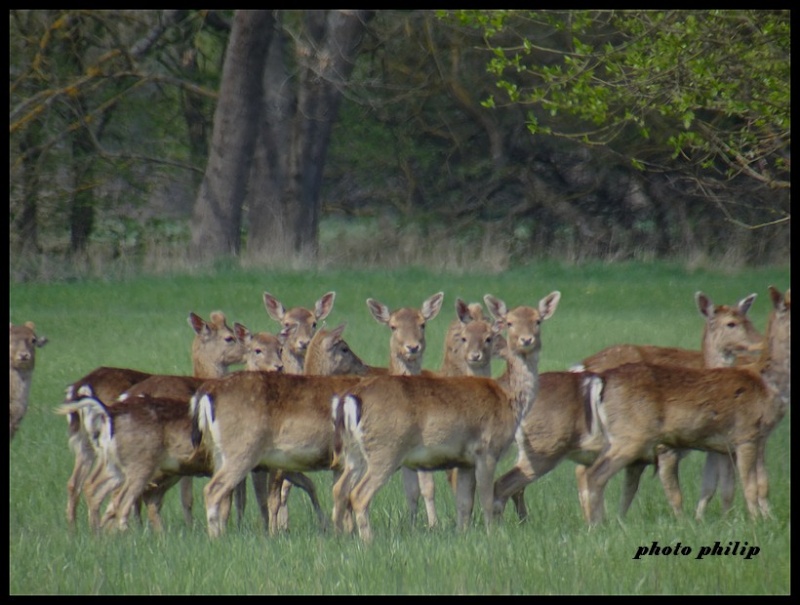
(306, 402)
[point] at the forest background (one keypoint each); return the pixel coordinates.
(141, 142)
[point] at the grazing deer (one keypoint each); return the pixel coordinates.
(22, 345)
(406, 348)
(431, 423)
(214, 349)
(730, 410)
(561, 426)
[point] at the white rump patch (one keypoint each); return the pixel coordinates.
(351, 416)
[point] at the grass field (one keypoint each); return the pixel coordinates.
(142, 323)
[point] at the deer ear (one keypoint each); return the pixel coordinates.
(497, 308)
(745, 304)
(547, 306)
(275, 308)
(432, 306)
(704, 305)
(324, 305)
(378, 310)
(197, 323)
(241, 332)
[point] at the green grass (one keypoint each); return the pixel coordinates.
(141, 323)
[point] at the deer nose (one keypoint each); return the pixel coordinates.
(412, 349)
(475, 356)
(525, 341)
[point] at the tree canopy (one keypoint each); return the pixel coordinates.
(711, 89)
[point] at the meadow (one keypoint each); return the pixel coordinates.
(142, 323)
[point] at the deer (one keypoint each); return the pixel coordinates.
(433, 422)
(147, 444)
(263, 420)
(22, 345)
(471, 341)
(298, 326)
(327, 354)
(107, 384)
(214, 349)
(728, 410)
(406, 348)
(560, 426)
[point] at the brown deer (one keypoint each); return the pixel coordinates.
(104, 383)
(431, 423)
(214, 349)
(148, 446)
(730, 410)
(560, 426)
(262, 420)
(471, 341)
(298, 326)
(22, 345)
(327, 354)
(406, 348)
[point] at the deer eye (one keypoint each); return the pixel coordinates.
(229, 339)
(463, 339)
(731, 324)
(314, 326)
(393, 328)
(258, 351)
(345, 350)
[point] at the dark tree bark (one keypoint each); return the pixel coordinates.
(300, 110)
(216, 221)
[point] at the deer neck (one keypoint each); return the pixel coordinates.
(20, 383)
(293, 363)
(208, 370)
(521, 380)
(403, 367)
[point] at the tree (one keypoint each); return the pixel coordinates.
(81, 83)
(277, 165)
(705, 93)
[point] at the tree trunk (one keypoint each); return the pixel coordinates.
(216, 221)
(294, 134)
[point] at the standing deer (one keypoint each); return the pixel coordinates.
(327, 354)
(561, 425)
(214, 349)
(406, 348)
(730, 410)
(146, 438)
(22, 345)
(430, 423)
(470, 342)
(298, 326)
(106, 384)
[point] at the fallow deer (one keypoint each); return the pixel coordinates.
(730, 410)
(22, 345)
(406, 348)
(147, 446)
(214, 349)
(431, 423)
(298, 326)
(560, 426)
